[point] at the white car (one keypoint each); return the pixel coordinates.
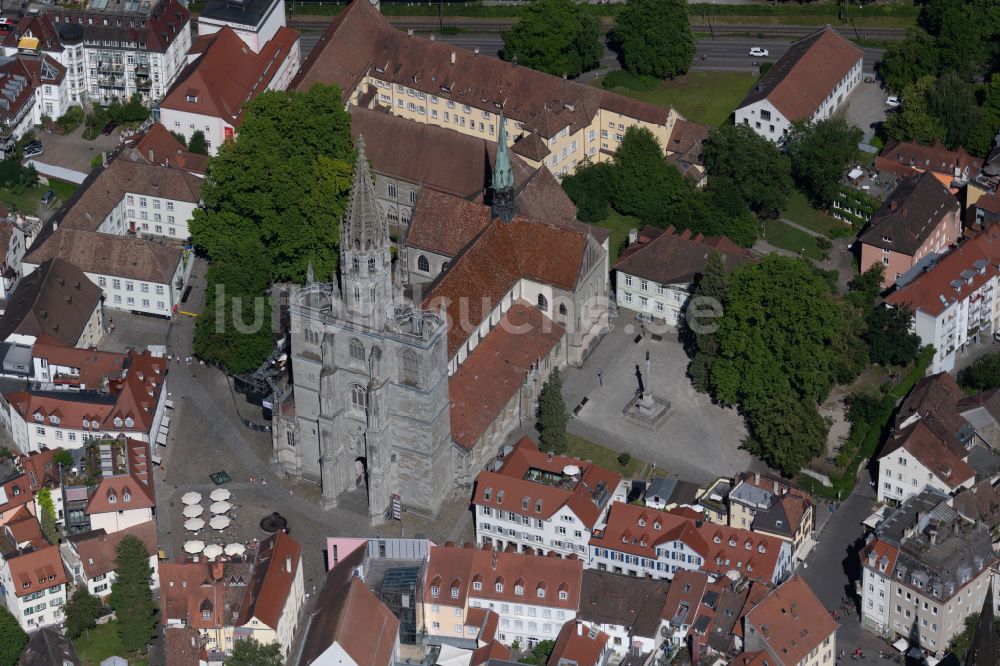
(892, 101)
(759, 52)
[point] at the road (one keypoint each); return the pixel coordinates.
(729, 54)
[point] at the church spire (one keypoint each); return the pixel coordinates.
(503, 178)
(365, 227)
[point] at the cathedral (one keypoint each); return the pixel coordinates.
(406, 396)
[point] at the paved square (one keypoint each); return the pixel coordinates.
(72, 151)
(865, 108)
(696, 441)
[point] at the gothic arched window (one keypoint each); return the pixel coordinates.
(562, 309)
(410, 367)
(371, 264)
(357, 351)
(543, 303)
(423, 264)
(355, 264)
(358, 397)
(357, 295)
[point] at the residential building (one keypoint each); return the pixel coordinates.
(134, 196)
(627, 610)
(349, 624)
(158, 146)
(90, 556)
(210, 93)
(275, 594)
(34, 586)
(809, 82)
(256, 22)
(532, 595)
(684, 148)
(17, 233)
(665, 493)
(768, 505)
(918, 218)
(717, 628)
(714, 501)
(535, 291)
(655, 274)
(121, 498)
(542, 503)
(952, 298)
(56, 301)
(644, 542)
(906, 158)
(549, 120)
(136, 275)
(47, 647)
(130, 402)
(929, 444)
(792, 626)
(579, 644)
(31, 87)
(680, 608)
(925, 570)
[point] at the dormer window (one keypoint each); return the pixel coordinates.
(747, 545)
(656, 526)
(525, 503)
(129, 422)
(540, 592)
(454, 593)
(563, 595)
(500, 497)
(477, 586)
(112, 499)
(435, 590)
(26, 585)
(717, 539)
(126, 497)
(118, 422)
(624, 539)
(94, 425)
(642, 522)
(487, 493)
(732, 541)
(38, 417)
(53, 419)
(761, 548)
(519, 590)
(538, 506)
(642, 543)
(192, 97)
(499, 587)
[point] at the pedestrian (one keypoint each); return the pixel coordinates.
(600, 378)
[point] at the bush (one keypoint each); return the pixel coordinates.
(96, 161)
(619, 78)
(70, 120)
(624, 458)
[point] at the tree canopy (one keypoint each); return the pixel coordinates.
(82, 611)
(889, 336)
(251, 652)
(820, 154)
(654, 38)
(751, 165)
(48, 518)
(786, 433)
(539, 655)
(131, 596)
(982, 374)
(198, 143)
(555, 36)
(12, 638)
(272, 205)
(552, 417)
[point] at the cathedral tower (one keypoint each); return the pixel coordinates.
(503, 179)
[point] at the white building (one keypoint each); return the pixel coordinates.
(275, 595)
(34, 587)
(808, 83)
(256, 22)
(90, 556)
(629, 610)
(31, 87)
(542, 504)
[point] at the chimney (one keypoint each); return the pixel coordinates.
(432, 37)
(217, 570)
(453, 57)
(756, 478)
(476, 50)
(494, 560)
(777, 488)
(150, 154)
(633, 236)
(409, 33)
(288, 563)
(579, 628)
(104, 159)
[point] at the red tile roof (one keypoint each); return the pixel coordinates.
(506, 356)
(955, 276)
(228, 74)
(25, 529)
(508, 487)
(159, 146)
(106, 254)
(926, 445)
(164, 23)
(36, 570)
(578, 644)
(93, 367)
(910, 215)
(278, 561)
(672, 258)
(791, 621)
(350, 614)
(884, 554)
(906, 158)
(684, 597)
(132, 490)
(98, 549)
(445, 224)
(14, 493)
(492, 650)
(188, 590)
(40, 469)
(454, 572)
(805, 76)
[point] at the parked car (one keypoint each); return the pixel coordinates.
(32, 148)
(48, 197)
(759, 52)
(110, 127)
(892, 101)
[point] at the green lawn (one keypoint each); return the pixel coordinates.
(702, 97)
(799, 210)
(29, 201)
(618, 225)
(602, 455)
(99, 643)
(779, 234)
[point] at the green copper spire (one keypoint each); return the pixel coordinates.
(503, 178)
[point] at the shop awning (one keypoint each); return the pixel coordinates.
(901, 645)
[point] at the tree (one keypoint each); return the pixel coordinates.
(913, 119)
(786, 432)
(751, 165)
(272, 206)
(539, 655)
(198, 143)
(889, 336)
(63, 458)
(654, 38)
(48, 518)
(251, 652)
(82, 611)
(131, 597)
(952, 102)
(864, 289)
(12, 638)
(555, 36)
(700, 320)
(644, 184)
(552, 417)
(820, 154)
(983, 374)
(180, 138)
(907, 61)
(591, 189)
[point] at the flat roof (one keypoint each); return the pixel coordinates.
(243, 12)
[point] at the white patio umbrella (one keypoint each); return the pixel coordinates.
(194, 524)
(193, 511)
(235, 549)
(212, 551)
(220, 495)
(220, 507)
(219, 522)
(191, 498)
(194, 547)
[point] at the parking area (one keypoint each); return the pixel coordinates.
(696, 441)
(865, 108)
(73, 151)
(124, 331)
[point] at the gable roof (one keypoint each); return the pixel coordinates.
(926, 445)
(107, 254)
(47, 647)
(672, 258)
(274, 572)
(348, 613)
(92, 367)
(98, 550)
(684, 597)
(805, 76)
(910, 214)
(586, 494)
(626, 601)
(40, 469)
(791, 621)
(56, 300)
(36, 570)
(159, 146)
(228, 74)
(906, 158)
(125, 492)
(189, 590)
(578, 645)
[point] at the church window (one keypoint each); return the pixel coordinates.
(411, 367)
(413, 196)
(371, 264)
(562, 309)
(423, 264)
(358, 397)
(357, 295)
(543, 303)
(392, 190)
(355, 265)
(357, 350)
